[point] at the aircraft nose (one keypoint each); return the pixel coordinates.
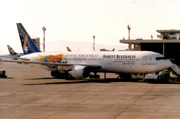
(167, 63)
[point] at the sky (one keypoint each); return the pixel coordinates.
(79, 20)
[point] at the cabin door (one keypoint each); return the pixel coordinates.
(144, 60)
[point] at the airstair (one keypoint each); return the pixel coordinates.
(176, 69)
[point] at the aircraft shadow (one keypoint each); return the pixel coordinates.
(109, 80)
(46, 78)
(165, 82)
(7, 78)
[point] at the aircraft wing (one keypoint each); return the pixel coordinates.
(50, 63)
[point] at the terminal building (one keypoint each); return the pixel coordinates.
(36, 42)
(168, 44)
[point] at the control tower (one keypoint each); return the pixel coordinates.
(36, 41)
(168, 34)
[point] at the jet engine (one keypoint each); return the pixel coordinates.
(80, 72)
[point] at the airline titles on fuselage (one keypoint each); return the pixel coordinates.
(120, 59)
(119, 56)
(80, 55)
(96, 56)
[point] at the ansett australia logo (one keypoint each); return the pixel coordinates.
(119, 56)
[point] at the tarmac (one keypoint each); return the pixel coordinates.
(29, 92)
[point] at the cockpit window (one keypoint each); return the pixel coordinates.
(160, 58)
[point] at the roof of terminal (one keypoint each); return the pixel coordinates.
(171, 30)
(140, 41)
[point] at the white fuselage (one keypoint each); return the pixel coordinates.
(117, 62)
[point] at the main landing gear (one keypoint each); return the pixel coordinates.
(94, 76)
(59, 75)
(125, 76)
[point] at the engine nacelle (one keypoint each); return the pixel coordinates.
(80, 72)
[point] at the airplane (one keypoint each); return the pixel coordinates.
(68, 49)
(107, 50)
(13, 53)
(79, 65)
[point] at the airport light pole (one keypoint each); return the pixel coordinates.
(44, 29)
(94, 42)
(129, 28)
(151, 37)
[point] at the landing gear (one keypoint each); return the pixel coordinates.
(160, 79)
(59, 75)
(125, 76)
(95, 75)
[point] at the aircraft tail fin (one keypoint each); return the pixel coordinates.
(68, 49)
(11, 51)
(28, 45)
